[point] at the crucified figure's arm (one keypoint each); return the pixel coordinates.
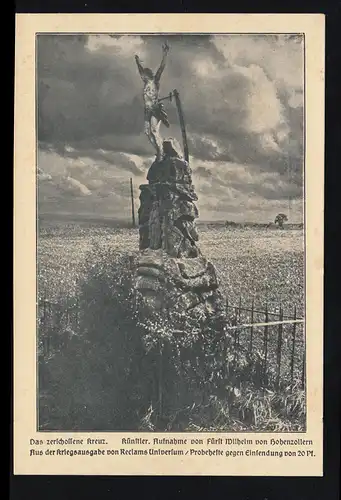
(165, 49)
(140, 67)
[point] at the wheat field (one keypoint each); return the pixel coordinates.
(266, 265)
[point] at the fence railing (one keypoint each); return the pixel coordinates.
(272, 342)
(276, 337)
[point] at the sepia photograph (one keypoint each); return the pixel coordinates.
(168, 244)
(170, 232)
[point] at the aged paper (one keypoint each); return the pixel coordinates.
(255, 136)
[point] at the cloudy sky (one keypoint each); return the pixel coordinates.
(243, 103)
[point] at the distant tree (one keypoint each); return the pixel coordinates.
(229, 223)
(280, 219)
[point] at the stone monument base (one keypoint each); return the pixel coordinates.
(172, 275)
(179, 285)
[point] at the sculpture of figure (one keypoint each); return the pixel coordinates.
(171, 272)
(154, 112)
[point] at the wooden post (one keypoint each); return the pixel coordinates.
(67, 310)
(265, 344)
(78, 305)
(160, 388)
(42, 326)
(239, 320)
(293, 350)
(251, 330)
(47, 331)
(182, 124)
(303, 368)
(132, 202)
(279, 348)
(225, 342)
(236, 314)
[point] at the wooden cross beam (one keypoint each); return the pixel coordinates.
(175, 93)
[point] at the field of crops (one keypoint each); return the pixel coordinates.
(264, 265)
(258, 266)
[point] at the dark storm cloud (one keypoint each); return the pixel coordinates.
(242, 99)
(270, 186)
(85, 92)
(83, 96)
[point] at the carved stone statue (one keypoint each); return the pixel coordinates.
(154, 112)
(171, 272)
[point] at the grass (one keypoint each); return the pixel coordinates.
(104, 364)
(265, 265)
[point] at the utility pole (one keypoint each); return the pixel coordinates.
(132, 202)
(289, 181)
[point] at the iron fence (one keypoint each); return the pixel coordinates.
(271, 342)
(276, 340)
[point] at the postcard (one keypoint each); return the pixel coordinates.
(168, 244)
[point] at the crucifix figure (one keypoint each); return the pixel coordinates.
(154, 112)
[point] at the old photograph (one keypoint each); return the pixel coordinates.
(170, 232)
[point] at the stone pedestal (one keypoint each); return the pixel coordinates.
(171, 272)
